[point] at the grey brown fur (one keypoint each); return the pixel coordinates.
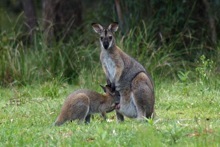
(82, 103)
(127, 75)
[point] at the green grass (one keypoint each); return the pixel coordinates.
(36, 78)
(35, 82)
(187, 114)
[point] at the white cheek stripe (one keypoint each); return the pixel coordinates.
(110, 44)
(101, 44)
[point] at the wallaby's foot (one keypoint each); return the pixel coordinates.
(151, 115)
(87, 119)
(120, 117)
(142, 118)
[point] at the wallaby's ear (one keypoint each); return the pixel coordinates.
(109, 89)
(113, 27)
(104, 89)
(97, 28)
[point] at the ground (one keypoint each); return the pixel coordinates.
(186, 115)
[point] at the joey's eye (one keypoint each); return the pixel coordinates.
(101, 38)
(110, 37)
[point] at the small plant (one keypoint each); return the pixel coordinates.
(51, 89)
(184, 78)
(204, 69)
(150, 121)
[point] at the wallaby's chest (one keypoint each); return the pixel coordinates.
(110, 67)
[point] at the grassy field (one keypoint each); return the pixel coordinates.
(36, 77)
(187, 115)
(35, 83)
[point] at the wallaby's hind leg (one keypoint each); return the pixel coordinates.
(71, 113)
(139, 98)
(82, 113)
(80, 109)
(143, 96)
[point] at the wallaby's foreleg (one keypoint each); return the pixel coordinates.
(103, 114)
(119, 116)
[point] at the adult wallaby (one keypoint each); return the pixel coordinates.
(127, 75)
(82, 103)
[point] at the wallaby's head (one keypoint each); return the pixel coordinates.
(112, 93)
(107, 39)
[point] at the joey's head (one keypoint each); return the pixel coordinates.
(111, 93)
(107, 39)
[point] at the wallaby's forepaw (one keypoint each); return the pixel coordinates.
(117, 106)
(117, 94)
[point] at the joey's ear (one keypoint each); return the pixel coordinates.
(103, 88)
(109, 89)
(97, 28)
(113, 27)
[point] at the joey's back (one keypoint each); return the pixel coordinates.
(95, 98)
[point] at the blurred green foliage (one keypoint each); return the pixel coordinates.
(167, 37)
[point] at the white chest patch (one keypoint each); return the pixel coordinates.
(110, 67)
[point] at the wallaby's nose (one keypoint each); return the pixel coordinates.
(105, 44)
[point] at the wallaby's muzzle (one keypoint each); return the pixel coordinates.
(105, 44)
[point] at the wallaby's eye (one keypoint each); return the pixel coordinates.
(110, 37)
(101, 38)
